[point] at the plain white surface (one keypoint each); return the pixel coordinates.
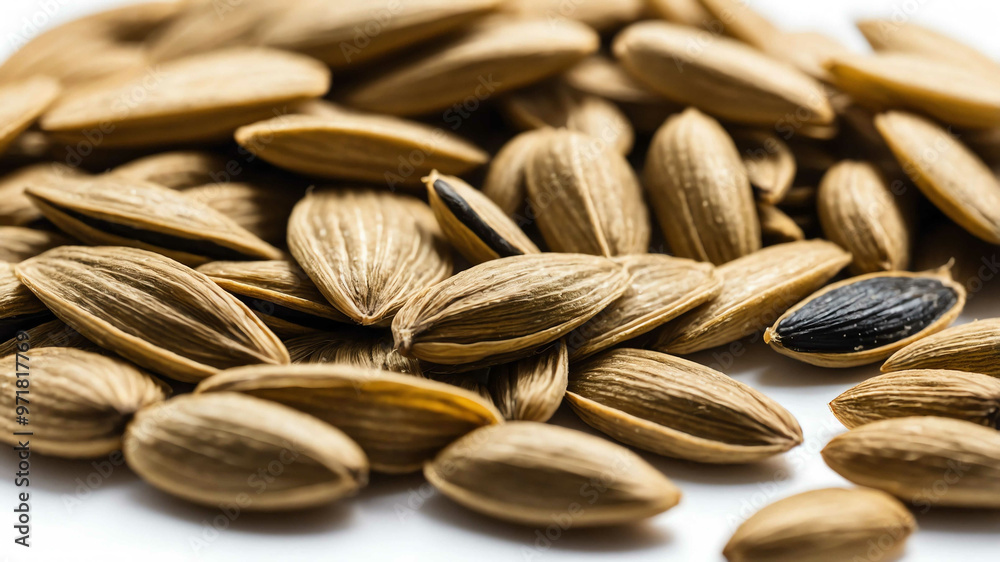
(82, 512)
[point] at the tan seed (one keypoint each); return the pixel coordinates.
(532, 388)
(893, 36)
(505, 182)
(177, 170)
(16, 209)
(261, 206)
(972, 347)
(769, 163)
(18, 243)
(370, 350)
(776, 227)
(21, 103)
(54, 333)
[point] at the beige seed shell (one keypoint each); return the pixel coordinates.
(18, 243)
(505, 183)
(532, 388)
(370, 350)
(776, 227)
(21, 103)
(770, 165)
(972, 347)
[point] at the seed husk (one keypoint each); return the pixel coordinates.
(505, 182)
(54, 333)
(368, 349)
(503, 309)
(16, 209)
(532, 388)
(723, 77)
(473, 223)
(119, 211)
(678, 408)
(699, 190)
(79, 401)
(200, 98)
(328, 30)
(553, 104)
(150, 309)
(19, 308)
(823, 525)
(278, 292)
(661, 289)
(776, 227)
(179, 169)
(770, 165)
(261, 206)
(19, 243)
(684, 12)
(955, 94)
(331, 142)
(400, 421)
(756, 289)
(495, 55)
(598, 14)
(586, 197)
(921, 392)
(909, 457)
(907, 37)
(859, 212)
(204, 27)
(865, 319)
(954, 179)
(528, 473)
(972, 347)
(368, 251)
(21, 103)
(207, 448)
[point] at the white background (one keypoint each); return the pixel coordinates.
(78, 514)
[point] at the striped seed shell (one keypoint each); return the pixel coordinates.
(895, 36)
(859, 212)
(331, 142)
(586, 197)
(599, 14)
(474, 225)
(16, 209)
(199, 98)
(79, 401)
(972, 347)
(661, 289)
(505, 182)
(698, 187)
(150, 309)
(328, 30)
(400, 421)
(678, 408)
(722, 77)
(865, 319)
(776, 227)
(114, 210)
(553, 104)
(531, 388)
(19, 243)
(202, 27)
(921, 392)
(911, 457)
(955, 94)
(756, 289)
(529, 473)
(503, 309)
(21, 103)
(19, 308)
(368, 251)
(496, 55)
(207, 448)
(823, 525)
(54, 333)
(954, 179)
(278, 292)
(770, 165)
(260, 206)
(367, 349)
(178, 169)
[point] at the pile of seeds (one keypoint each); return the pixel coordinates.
(212, 259)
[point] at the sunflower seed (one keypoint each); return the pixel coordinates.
(203, 27)
(16, 209)
(823, 525)
(776, 227)
(79, 401)
(894, 36)
(910, 457)
(210, 448)
(756, 289)
(21, 103)
(150, 309)
(400, 421)
(120, 211)
(769, 163)
(678, 408)
(176, 170)
(700, 191)
(474, 225)
(505, 182)
(18, 243)
(368, 251)
(54, 333)
(532, 388)
(19, 308)
(972, 347)
(684, 12)
(585, 196)
(368, 349)
(865, 319)
(598, 14)
(261, 206)
(528, 473)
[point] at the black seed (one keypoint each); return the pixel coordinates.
(193, 246)
(471, 219)
(866, 315)
(297, 317)
(10, 326)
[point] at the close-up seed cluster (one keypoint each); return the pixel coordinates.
(497, 249)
